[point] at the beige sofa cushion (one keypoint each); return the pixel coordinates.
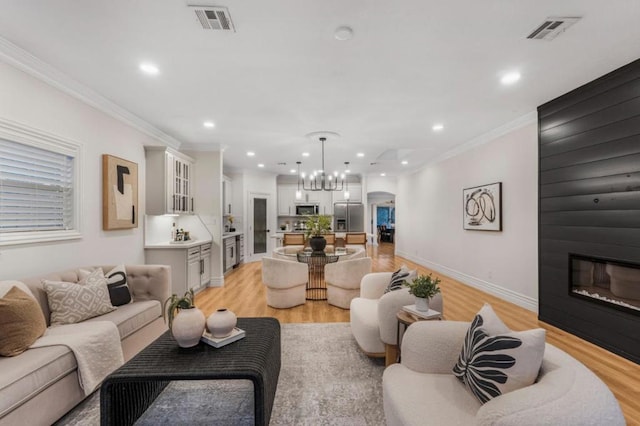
(31, 372)
(132, 317)
(412, 398)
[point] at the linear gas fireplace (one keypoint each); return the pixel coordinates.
(605, 281)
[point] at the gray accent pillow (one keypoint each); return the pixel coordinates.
(71, 303)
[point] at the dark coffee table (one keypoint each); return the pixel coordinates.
(129, 391)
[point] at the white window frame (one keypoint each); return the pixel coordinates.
(26, 135)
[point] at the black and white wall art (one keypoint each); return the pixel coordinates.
(482, 207)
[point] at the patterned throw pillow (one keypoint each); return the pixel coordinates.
(398, 278)
(21, 321)
(116, 282)
(71, 303)
(493, 364)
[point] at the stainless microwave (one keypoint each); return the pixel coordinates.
(306, 209)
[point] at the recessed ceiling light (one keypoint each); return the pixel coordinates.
(404, 162)
(149, 68)
(360, 154)
(383, 174)
(261, 165)
(437, 127)
(510, 78)
(209, 124)
(347, 171)
(305, 154)
(250, 153)
(343, 33)
(292, 171)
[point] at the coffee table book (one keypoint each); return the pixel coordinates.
(218, 342)
(430, 314)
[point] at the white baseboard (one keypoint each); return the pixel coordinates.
(216, 282)
(504, 293)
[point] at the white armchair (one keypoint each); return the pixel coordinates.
(286, 282)
(373, 315)
(423, 390)
(343, 280)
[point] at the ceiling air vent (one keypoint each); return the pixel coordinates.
(214, 18)
(552, 28)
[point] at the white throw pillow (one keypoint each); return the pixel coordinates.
(495, 360)
(71, 303)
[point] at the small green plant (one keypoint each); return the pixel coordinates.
(424, 286)
(173, 305)
(317, 225)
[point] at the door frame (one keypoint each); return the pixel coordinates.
(252, 257)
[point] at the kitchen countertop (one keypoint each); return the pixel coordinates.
(177, 245)
(231, 234)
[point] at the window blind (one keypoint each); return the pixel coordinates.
(36, 189)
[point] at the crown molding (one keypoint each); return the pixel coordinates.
(25, 61)
(531, 117)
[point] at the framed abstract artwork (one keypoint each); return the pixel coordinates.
(482, 207)
(119, 193)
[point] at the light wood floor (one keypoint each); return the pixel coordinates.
(245, 295)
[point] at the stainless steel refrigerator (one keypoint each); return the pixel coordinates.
(348, 217)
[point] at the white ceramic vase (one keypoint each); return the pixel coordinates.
(422, 304)
(188, 326)
(221, 322)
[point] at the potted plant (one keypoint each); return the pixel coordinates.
(186, 322)
(423, 287)
(315, 227)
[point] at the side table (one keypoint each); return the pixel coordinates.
(406, 319)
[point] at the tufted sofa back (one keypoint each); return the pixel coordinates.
(146, 282)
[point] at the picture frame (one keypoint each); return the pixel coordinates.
(482, 207)
(119, 193)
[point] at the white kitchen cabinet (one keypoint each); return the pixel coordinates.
(229, 253)
(205, 264)
(169, 182)
(326, 203)
(227, 196)
(355, 194)
(194, 267)
(311, 197)
(190, 266)
(287, 200)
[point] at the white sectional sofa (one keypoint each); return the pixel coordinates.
(422, 390)
(40, 385)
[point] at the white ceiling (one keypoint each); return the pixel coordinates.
(282, 74)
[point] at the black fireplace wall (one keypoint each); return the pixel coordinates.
(589, 201)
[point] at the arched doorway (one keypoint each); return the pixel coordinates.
(382, 210)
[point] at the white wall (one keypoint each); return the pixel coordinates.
(29, 101)
(429, 217)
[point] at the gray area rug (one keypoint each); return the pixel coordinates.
(325, 380)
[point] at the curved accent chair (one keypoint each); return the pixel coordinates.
(373, 315)
(343, 280)
(286, 282)
(422, 388)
